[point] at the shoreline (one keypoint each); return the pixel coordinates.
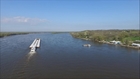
(126, 37)
(2, 35)
(134, 47)
(105, 42)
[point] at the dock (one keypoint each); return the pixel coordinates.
(35, 44)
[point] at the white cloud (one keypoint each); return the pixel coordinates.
(23, 20)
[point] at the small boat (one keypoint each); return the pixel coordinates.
(87, 45)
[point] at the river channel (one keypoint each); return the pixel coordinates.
(62, 56)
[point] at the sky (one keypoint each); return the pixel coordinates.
(68, 15)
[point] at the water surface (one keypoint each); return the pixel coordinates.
(62, 56)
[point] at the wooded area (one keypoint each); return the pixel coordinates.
(127, 37)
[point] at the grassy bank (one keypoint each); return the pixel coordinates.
(4, 34)
(127, 37)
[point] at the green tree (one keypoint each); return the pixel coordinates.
(127, 41)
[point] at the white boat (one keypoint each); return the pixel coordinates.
(87, 45)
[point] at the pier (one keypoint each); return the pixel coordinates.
(35, 44)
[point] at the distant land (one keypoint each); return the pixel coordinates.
(9, 33)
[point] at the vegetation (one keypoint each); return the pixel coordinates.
(127, 37)
(3, 34)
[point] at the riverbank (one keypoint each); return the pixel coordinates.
(126, 37)
(5, 34)
(106, 42)
(122, 45)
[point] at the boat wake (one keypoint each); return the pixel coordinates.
(20, 69)
(30, 54)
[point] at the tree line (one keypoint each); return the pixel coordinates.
(127, 37)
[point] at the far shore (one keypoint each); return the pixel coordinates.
(5, 34)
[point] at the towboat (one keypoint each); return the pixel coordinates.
(33, 49)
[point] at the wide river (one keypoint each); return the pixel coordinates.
(62, 56)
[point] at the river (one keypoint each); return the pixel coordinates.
(62, 56)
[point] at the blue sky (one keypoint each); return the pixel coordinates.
(68, 15)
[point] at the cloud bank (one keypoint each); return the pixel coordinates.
(22, 20)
